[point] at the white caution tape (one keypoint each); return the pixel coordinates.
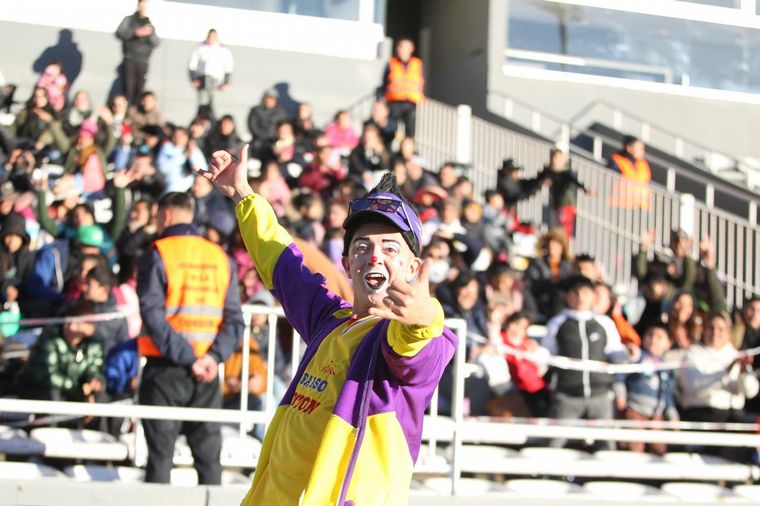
(92, 318)
(636, 424)
(597, 366)
(542, 358)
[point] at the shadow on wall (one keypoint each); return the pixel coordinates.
(67, 52)
(286, 102)
(117, 85)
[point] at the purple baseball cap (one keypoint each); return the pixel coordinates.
(388, 207)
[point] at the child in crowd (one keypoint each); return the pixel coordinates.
(66, 363)
(526, 375)
(648, 395)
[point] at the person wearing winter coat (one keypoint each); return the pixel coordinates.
(66, 363)
(138, 40)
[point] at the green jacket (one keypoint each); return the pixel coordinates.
(685, 280)
(54, 363)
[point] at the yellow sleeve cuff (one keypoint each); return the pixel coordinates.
(409, 340)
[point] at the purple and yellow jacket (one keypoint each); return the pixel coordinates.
(348, 430)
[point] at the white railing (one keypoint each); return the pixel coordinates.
(562, 130)
(663, 73)
(610, 234)
(454, 430)
(737, 244)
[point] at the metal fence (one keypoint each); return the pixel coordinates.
(453, 430)
(610, 234)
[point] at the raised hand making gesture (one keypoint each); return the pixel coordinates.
(409, 303)
(229, 173)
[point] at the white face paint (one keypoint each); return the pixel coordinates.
(378, 255)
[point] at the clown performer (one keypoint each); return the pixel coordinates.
(349, 427)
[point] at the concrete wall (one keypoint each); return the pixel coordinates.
(330, 83)
(458, 48)
(722, 125)
(465, 66)
(728, 125)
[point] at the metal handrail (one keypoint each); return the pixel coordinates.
(596, 103)
(587, 110)
(580, 61)
(563, 130)
(610, 234)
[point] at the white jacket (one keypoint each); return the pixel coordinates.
(705, 380)
(212, 60)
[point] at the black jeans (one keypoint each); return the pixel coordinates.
(165, 384)
(404, 111)
(133, 76)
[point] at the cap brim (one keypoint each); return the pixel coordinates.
(359, 218)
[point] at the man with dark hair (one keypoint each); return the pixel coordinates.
(512, 187)
(147, 120)
(578, 333)
(190, 309)
(404, 85)
(563, 191)
(263, 120)
(65, 363)
(138, 40)
(630, 162)
(587, 266)
(98, 289)
(349, 427)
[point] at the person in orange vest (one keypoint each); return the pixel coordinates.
(404, 85)
(633, 189)
(190, 309)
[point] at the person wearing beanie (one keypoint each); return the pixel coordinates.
(349, 427)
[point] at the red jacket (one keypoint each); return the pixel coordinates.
(523, 372)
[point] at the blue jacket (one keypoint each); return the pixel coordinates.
(43, 291)
(650, 394)
(121, 367)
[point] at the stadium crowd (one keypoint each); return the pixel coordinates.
(78, 204)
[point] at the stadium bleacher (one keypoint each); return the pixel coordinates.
(465, 453)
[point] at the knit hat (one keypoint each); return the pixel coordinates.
(90, 235)
(384, 202)
(15, 224)
(88, 129)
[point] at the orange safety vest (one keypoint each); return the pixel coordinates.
(405, 82)
(633, 188)
(198, 276)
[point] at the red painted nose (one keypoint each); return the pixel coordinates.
(373, 259)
